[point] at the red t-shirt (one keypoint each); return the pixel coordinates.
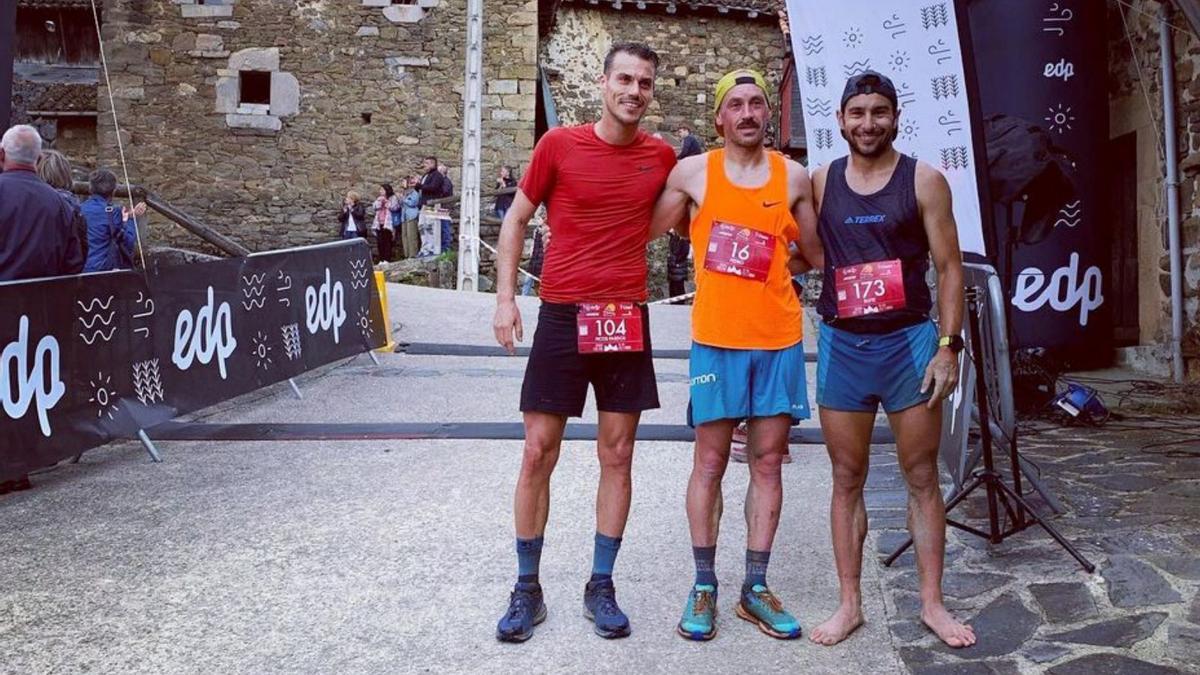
(599, 198)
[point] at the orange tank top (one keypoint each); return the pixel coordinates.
(735, 312)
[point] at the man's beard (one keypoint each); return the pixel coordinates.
(882, 145)
(752, 142)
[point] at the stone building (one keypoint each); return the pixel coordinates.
(1136, 130)
(257, 116)
(698, 42)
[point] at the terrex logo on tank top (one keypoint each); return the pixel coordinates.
(865, 220)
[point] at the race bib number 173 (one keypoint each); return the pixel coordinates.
(869, 288)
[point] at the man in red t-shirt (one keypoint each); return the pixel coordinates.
(599, 183)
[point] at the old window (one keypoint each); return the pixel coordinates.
(64, 35)
(254, 92)
(254, 88)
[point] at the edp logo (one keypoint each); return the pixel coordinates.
(209, 334)
(1063, 291)
(1063, 69)
(326, 307)
(37, 380)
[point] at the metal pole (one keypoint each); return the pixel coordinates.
(295, 389)
(149, 445)
(1172, 181)
(8, 36)
(468, 228)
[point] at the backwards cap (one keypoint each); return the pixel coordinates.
(869, 82)
(733, 79)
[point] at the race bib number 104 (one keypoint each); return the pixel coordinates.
(609, 327)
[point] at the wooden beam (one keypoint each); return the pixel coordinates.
(184, 220)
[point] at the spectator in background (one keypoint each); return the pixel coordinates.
(36, 234)
(535, 262)
(412, 199)
(448, 186)
(678, 247)
(383, 226)
(447, 191)
(506, 179)
(433, 185)
(54, 168)
(410, 210)
(352, 220)
(689, 144)
(112, 235)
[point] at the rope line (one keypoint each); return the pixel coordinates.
(519, 269)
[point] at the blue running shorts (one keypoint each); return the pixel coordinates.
(743, 383)
(858, 372)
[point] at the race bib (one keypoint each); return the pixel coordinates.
(609, 327)
(869, 288)
(739, 251)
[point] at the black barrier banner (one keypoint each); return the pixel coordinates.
(1046, 63)
(85, 360)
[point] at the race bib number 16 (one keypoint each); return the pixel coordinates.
(739, 251)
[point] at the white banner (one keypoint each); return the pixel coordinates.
(913, 42)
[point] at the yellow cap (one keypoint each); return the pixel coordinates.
(733, 79)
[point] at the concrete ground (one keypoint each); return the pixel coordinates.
(393, 556)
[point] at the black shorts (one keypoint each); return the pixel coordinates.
(557, 375)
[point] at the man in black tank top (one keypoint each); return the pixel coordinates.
(881, 216)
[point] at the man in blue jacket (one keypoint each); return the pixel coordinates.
(112, 233)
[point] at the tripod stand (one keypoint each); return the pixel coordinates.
(998, 492)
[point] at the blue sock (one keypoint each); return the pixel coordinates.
(529, 556)
(705, 557)
(604, 555)
(756, 568)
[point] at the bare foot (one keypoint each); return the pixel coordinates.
(838, 627)
(950, 631)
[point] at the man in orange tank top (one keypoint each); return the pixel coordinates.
(749, 209)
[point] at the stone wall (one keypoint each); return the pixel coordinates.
(377, 88)
(696, 47)
(1135, 98)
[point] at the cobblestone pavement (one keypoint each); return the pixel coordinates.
(1131, 509)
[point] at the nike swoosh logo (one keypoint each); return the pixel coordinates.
(767, 205)
(644, 168)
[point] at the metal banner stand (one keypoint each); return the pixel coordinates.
(998, 492)
(149, 445)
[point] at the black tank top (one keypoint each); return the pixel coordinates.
(885, 225)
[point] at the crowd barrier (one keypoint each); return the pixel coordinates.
(88, 359)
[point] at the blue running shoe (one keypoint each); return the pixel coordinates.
(759, 606)
(525, 610)
(699, 620)
(600, 607)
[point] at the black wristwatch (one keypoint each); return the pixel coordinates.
(954, 342)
